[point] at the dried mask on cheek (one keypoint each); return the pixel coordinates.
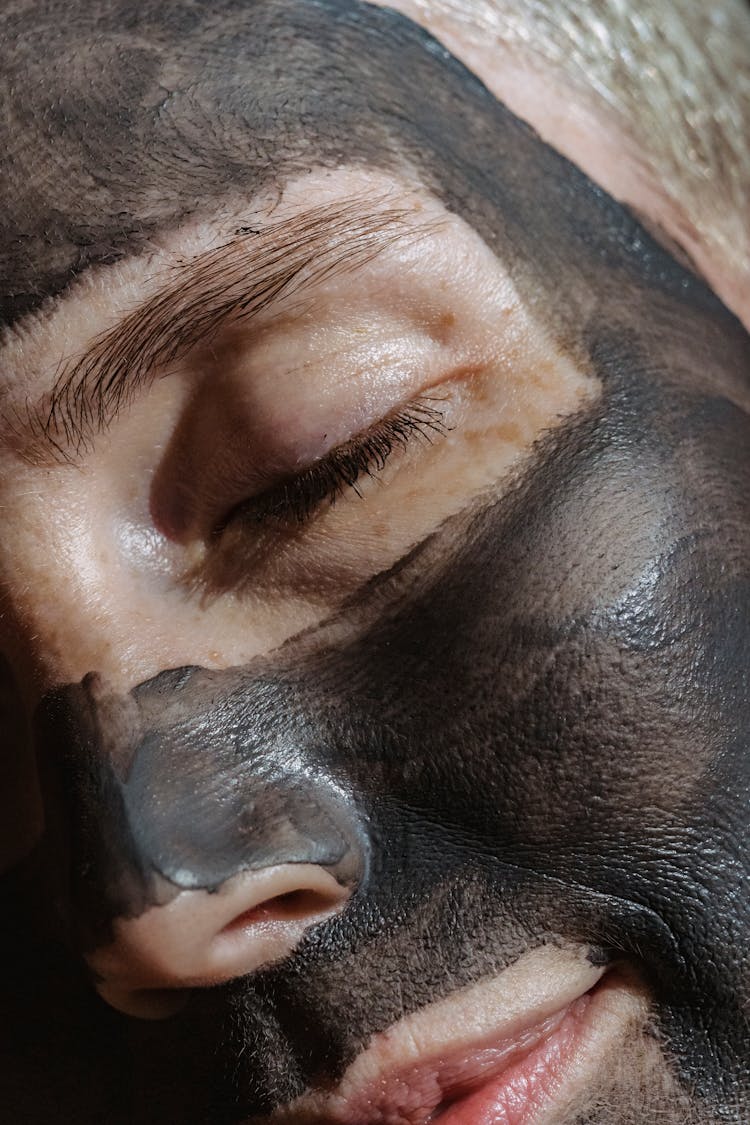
(534, 723)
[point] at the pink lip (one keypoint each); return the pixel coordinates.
(507, 1050)
(493, 1083)
(526, 1078)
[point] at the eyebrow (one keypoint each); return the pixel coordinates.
(226, 285)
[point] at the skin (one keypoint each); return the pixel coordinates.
(512, 720)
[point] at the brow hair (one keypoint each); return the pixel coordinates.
(675, 78)
(229, 284)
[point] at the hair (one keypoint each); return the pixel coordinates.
(673, 78)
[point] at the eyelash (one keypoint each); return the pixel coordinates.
(293, 502)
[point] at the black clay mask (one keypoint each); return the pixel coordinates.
(533, 726)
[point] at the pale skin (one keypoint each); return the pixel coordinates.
(103, 563)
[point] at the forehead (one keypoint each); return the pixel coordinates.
(132, 127)
(124, 130)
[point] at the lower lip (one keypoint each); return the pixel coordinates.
(512, 1082)
(527, 1084)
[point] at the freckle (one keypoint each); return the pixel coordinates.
(484, 394)
(541, 373)
(442, 326)
(509, 432)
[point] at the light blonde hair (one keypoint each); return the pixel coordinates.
(673, 77)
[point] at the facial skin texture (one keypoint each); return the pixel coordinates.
(529, 729)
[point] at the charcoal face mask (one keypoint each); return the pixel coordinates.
(534, 726)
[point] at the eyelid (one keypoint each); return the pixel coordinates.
(319, 381)
(253, 537)
(269, 414)
(297, 499)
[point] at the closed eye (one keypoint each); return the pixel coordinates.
(296, 500)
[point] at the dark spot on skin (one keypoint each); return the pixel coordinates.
(537, 720)
(599, 956)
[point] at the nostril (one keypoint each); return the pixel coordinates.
(201, 939)
(293, 906)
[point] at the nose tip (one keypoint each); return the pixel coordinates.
(204, 938)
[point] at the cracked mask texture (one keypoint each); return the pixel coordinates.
(533, 726)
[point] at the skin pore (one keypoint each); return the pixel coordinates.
(501, 698)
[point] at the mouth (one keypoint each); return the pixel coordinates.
(516, 1050)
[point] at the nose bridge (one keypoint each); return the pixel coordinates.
(183, 786)
(203, 806)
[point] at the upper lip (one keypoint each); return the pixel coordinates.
(434, 1055)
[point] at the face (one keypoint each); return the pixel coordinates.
(375, 570)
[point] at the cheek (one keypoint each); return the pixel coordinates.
(563, 678)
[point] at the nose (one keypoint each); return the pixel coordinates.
(194, 833)
(203, 938)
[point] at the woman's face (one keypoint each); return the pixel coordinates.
(374, 576)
